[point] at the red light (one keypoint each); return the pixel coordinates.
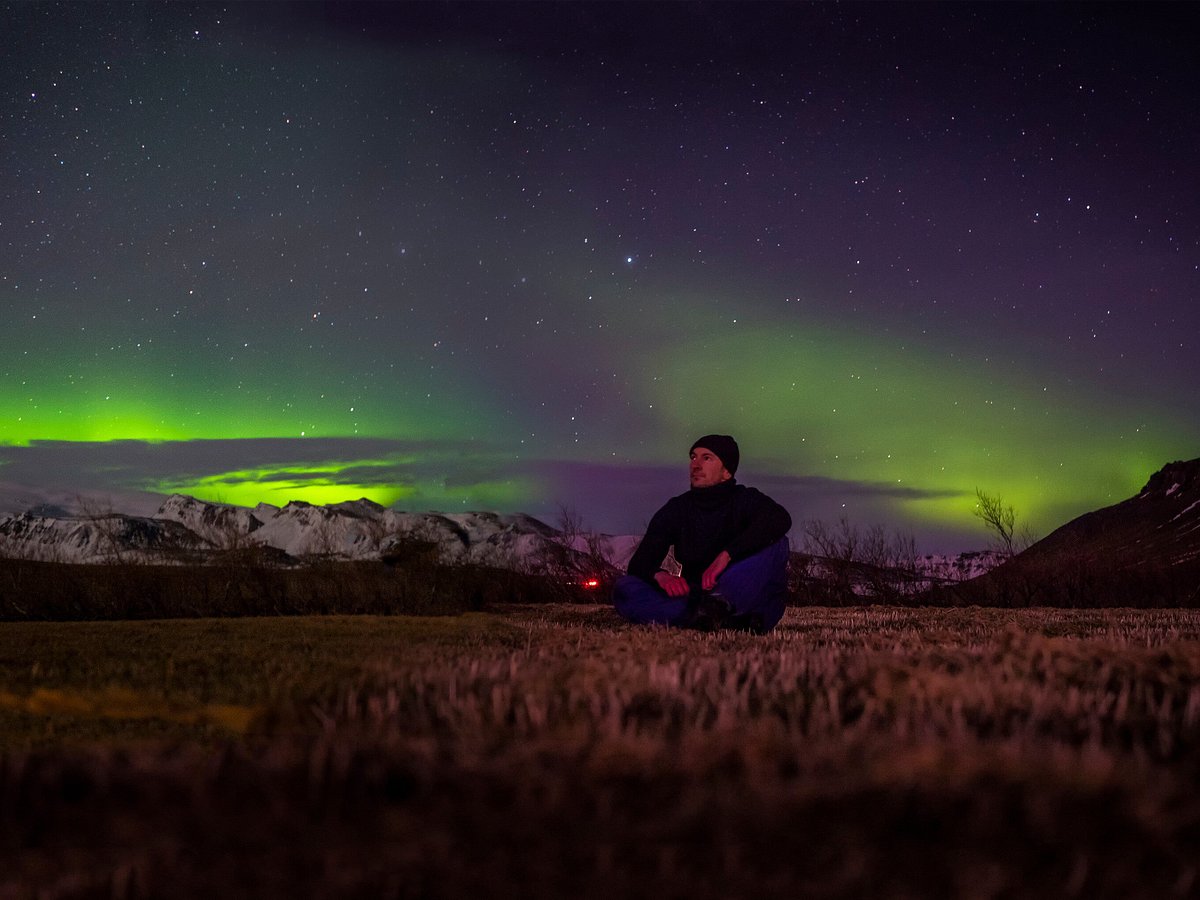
(592, 583)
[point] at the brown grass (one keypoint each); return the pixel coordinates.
(553, 751)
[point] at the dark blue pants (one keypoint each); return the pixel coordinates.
(756, 587)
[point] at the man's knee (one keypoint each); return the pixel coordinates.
(778, 552)
(758, 583)
(772, 558)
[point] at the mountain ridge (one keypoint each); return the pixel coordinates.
(185, 528)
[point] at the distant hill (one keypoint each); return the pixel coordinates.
(1144, 551)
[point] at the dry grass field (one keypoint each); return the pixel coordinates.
(551, 751)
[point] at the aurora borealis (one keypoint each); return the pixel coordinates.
(517, 256)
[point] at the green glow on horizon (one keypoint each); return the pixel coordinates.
(273, 485)
(249, 487)
(143, 420)
(828, 402)
(156, 399)
(146, 403)
(282, 492)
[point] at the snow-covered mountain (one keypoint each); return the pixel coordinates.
(184, 528)
(97, 538)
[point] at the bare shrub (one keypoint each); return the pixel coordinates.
(576, 561)
(1001, 521)
(849, 565)
(237, 586)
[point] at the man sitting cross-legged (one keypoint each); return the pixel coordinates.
(729, 539)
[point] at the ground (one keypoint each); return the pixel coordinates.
(553, 751)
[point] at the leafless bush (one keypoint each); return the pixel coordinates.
(237, 586)
(849, 565)
(576, 560)
(1000, 519)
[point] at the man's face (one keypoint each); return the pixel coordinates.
(707, 469)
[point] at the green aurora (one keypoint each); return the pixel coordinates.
(811, 399)
(846, 406)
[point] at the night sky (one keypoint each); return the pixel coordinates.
(514, 257)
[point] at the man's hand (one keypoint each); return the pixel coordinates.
(672, 584)
(709, 580)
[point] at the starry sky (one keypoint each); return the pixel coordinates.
(519, 256)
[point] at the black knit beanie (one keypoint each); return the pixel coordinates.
(725, 448)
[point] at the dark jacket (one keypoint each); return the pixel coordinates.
(703, 522)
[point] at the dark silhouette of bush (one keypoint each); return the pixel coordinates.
(247, 585)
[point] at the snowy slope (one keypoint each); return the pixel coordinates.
(109, 538)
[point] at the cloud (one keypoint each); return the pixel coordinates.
(817, 485)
